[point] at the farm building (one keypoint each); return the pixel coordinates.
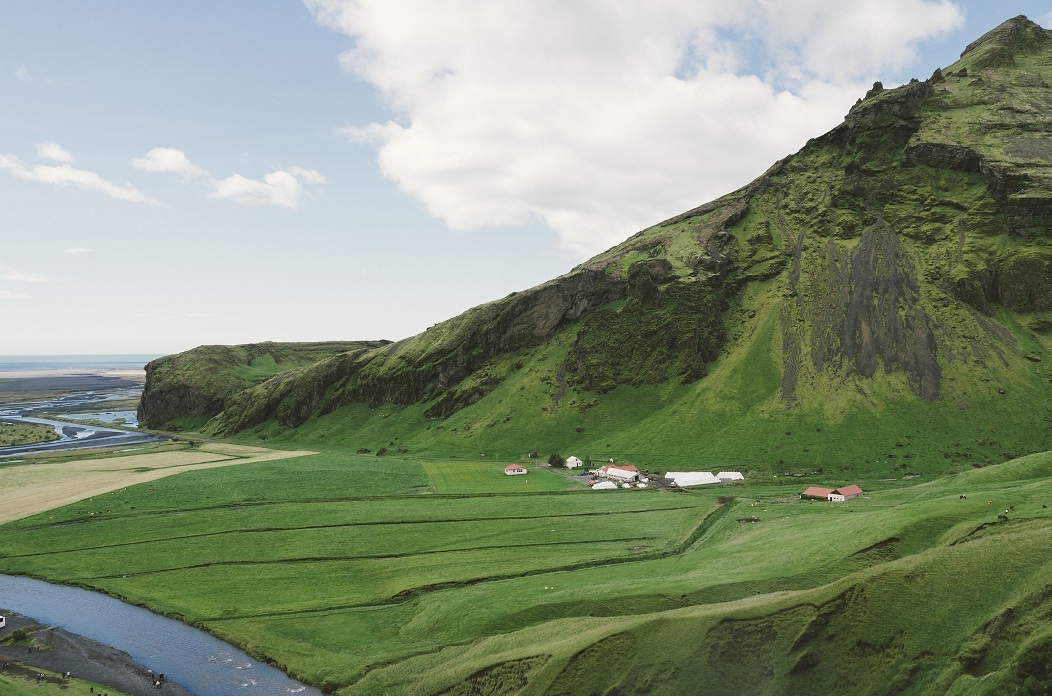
(691, 478)
(725, 476)
(836, 495)
(839, 495)
(514, 470)
(573, 462)
(624, 472)
(604, 486)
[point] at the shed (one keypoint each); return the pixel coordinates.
(816, 493)
(514, 470)
(725, 476)
(573, 462)
(691, 478)
(843, 493)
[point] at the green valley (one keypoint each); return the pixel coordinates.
(875, 309)
(361, 575)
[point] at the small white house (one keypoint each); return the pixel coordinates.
(604, 486)
(725, 476)
(573, 462)
(515, 470)
(691, 478)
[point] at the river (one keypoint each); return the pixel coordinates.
(198, 661)
(76, 435)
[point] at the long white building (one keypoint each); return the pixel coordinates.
(691, 478)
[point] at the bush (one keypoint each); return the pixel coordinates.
(556, 459)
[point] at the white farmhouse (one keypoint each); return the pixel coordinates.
(691, 478)
(514, 470)
(573, 462)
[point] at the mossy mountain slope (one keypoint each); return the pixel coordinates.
(187, 389)
(897, 270)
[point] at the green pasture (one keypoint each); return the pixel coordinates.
(489, 477)
(372, 575)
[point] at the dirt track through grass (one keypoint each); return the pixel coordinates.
(30, 489)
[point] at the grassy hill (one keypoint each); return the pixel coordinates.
(883, 296)
(189, 388)
(392, 576)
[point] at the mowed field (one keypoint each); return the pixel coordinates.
(489, 477)
(34, 484)
(370, 575)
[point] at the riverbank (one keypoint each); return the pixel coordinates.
(60, 651)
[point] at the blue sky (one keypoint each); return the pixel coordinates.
(177, 174)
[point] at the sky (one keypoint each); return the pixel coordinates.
(198, 172)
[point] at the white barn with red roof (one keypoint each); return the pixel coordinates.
(622, 472)
(839, 495)
(835, 495)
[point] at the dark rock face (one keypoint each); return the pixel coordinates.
(883, 319)
(941, 156)
(860, 311)
(1024, 281)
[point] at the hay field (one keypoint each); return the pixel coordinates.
(30, 488)
(489, 477)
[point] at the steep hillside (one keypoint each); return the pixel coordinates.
(187, 389)
(884, 294)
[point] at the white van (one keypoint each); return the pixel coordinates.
(3, 622)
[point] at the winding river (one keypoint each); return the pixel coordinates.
(199, 662)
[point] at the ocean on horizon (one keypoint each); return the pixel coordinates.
(65, 362)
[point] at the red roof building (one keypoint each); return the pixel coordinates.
(514, 470)
(845, 493)
(816, 493)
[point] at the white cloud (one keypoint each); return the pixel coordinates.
(19, 277)
(23, 75)
(9, 295)
(53, 151)
(67, 175)
(284, 188)
(76, 250)
(600, 118)
(169, 160)
(310, 176)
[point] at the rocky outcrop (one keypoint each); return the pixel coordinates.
(189, 388)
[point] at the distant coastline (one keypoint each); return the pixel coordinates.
(24, 363)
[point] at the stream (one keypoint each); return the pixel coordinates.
(196, 660)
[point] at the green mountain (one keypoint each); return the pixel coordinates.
(189, 388)
(881, 300)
